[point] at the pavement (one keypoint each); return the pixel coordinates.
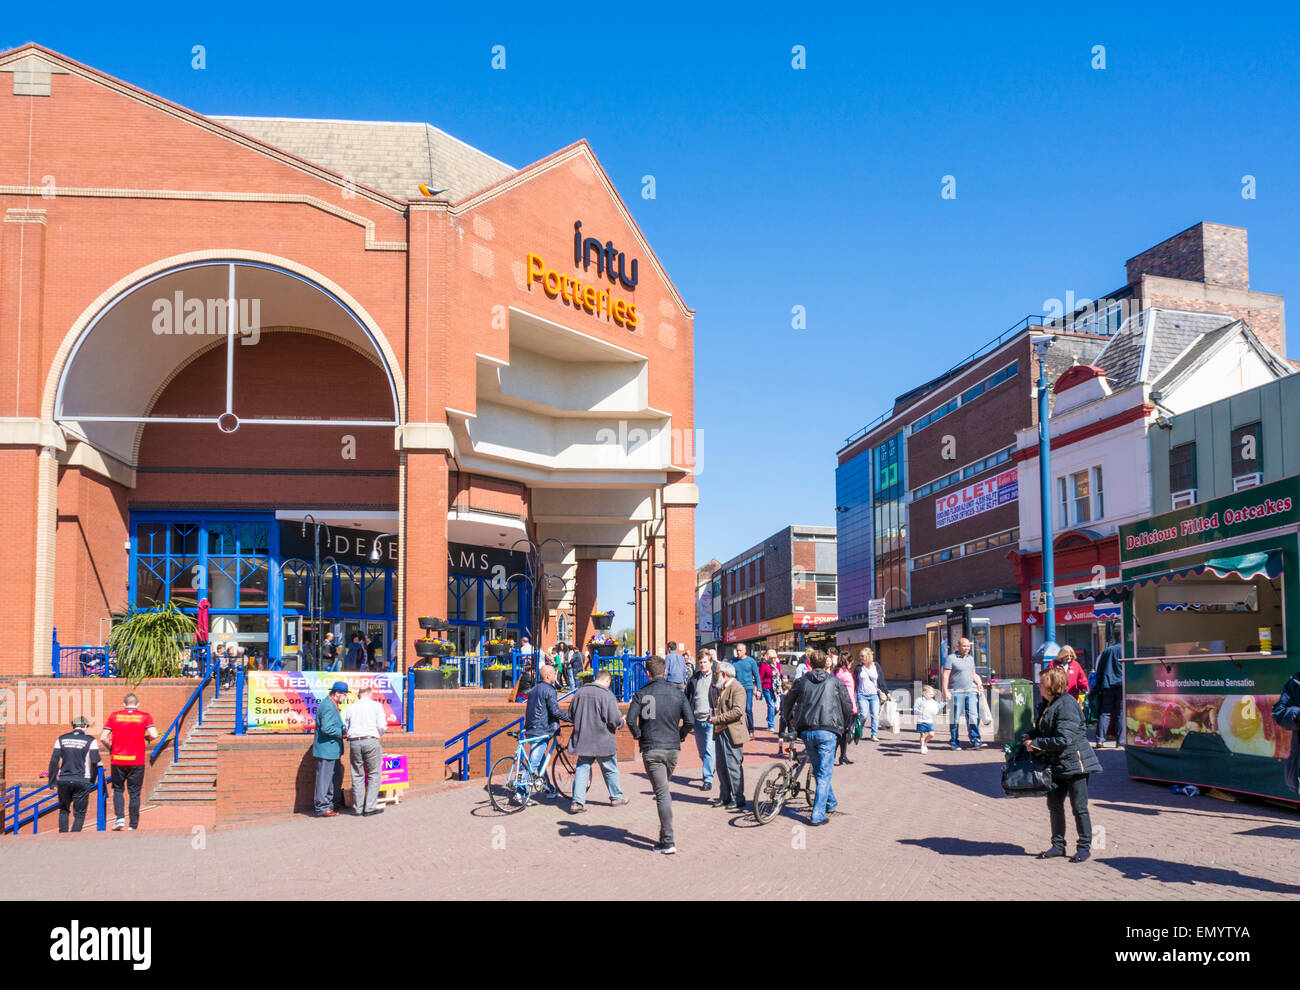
(915, 826)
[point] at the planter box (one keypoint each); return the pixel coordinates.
(427, 679)
(496, 679)
(603, 622)
(432, 624)
(604, 649)
(427, 648)
(498, 651)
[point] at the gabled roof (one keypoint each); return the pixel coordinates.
(1150, 341)
(392, 157)
(1207, 345)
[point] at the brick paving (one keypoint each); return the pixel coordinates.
(931, 827)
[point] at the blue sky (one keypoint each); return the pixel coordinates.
(818, 187)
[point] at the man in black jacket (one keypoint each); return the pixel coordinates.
(74, 768)
(819, 708)
(659, 718)
(1110, 692)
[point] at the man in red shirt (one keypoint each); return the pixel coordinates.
(125, 734)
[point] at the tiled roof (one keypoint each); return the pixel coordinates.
(391, 157)
(1148, 342)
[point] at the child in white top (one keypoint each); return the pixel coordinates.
(926, 708)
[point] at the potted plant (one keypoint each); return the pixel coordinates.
(431, 646)
(585, 676)
(499, 645)
(602, 644)
(431, 624)
(151, 642)
(498, 675)
(429, 676)
(603, 620)
(496, 624)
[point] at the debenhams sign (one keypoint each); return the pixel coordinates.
(353, 547)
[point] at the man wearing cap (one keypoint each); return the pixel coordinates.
(125, 734)
(365, 723)
(328, 750)
(74, 768)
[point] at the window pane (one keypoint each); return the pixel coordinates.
(296, 585)
(376, 592)
(185, 539)
(1097, 493)
(222, 537)
(254, 538)
(1245, 450)
(252, 591)
(223, 589)
(1182, 467)
(148, 580)
(349, 590)
(151, 538)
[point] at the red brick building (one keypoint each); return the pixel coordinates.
(218, 326)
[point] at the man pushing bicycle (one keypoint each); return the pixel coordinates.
(542, 718)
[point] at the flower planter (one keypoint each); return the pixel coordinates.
(495, 650)
(427, 678)
(604, 649)
(603, 622)
(502, 678)
(427, 648)
(431, 624)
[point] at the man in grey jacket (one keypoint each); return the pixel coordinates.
(596, 718)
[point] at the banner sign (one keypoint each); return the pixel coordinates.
(286, 700)
(1249, 511)
(876, 613)
(811, 620)
(980, 497)
(1082, 612)
(394, 775)
(1208, 723)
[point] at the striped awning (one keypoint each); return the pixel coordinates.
(1267, 563)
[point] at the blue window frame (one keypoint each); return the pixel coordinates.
(471, 600)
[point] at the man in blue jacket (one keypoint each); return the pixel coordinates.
(747, 674)
(1286, 713)
(328, 749)
(1110, 693)
(542, 717)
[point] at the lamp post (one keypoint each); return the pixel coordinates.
(316, 606)
(1042, 343)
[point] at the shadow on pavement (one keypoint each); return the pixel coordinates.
(606, 833)
(982, 778)
(1274, 832)
(1146, 868)
(966, 847)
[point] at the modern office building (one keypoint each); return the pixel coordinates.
(222, 331)
(928, 497)
(781, 593)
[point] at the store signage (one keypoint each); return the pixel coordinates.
(497, 563)
(1084, 612)
(287, 700)
(974, 499)
(347, 546)
(757, 630)
(394, 776)
(609, 262)
(1251, 511)
(811, 620)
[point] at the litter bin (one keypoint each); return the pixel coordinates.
(1013, 708)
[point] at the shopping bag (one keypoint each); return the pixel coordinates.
(890, 712)
(857, 728)
(1026, 775)
(986, 716)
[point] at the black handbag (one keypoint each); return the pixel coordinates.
(1026, 775)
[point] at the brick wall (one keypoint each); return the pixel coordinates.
(1206, 252)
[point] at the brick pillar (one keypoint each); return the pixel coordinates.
(424, 543)
(679, 523)
(19, 483)
(584, 603)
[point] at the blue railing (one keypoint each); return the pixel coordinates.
(20, 808)
(209, 672)
(462, 758)
(627, 672)
(88, 660)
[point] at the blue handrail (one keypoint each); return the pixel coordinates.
(462, 772)
(209, 671)
(89, 660)
(38, 803)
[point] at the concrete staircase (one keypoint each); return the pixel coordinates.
(193, 778)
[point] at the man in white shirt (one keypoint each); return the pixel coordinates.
(365, 722)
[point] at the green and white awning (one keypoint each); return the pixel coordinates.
(1266, 563)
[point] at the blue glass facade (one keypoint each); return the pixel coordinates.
(854, 550)
(889, 522)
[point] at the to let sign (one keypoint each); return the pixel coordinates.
(974, 499)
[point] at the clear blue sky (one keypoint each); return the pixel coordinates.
(818, 188)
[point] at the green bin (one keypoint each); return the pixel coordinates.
(1013, 709)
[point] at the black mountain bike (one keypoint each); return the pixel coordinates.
(784, 781)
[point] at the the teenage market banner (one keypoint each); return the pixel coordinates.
(974, 499)
(286, 700)
(1208, 723)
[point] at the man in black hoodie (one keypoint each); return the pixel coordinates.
(819, 708)
(659, 718)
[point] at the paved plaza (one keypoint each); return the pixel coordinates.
(915, 827)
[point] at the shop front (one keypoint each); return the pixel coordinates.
(786, 634)
(1209, 599)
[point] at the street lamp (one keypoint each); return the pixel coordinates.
(315, 608)
(375, 552)
(1042, 343)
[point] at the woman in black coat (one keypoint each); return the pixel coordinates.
(1059, 736)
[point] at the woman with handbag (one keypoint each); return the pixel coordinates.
(1058, 735)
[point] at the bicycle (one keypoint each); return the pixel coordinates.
(512, 782)
(784, 781)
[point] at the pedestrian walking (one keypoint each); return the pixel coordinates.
(660, 719)
(1076, 678)
(1059, 735)
(1286, 715)
(356, 657)
(125, 734)
(74, 770)
(846, 678)
(1110, 692)
(365, 723)
(595, 715)
(769, 674)
(675, 667)
(819, 708)
(730, 733)
(961, 688)
(746, 672)
(926, 709)
(871, 691)
(702, 693)
(328, 751)
(542, 717)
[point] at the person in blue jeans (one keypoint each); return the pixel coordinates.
(769, 673)
(542, 718)
(702, 695)
(747, 674)
(961, 687)
(596, 719)
(820, 708)
(871, 686)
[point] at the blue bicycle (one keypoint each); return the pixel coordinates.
(512, 783)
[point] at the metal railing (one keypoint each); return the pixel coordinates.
(210, 671)
(89, 660)
(20, 808)
(627, 673)
(462, 758)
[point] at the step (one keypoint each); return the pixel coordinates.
(182, 787)
(196, 775)
(210, 798)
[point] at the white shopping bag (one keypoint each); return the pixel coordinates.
(986, 716)
(891, 717)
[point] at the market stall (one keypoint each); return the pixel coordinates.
(1209, 594)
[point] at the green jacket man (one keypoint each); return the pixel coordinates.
(328, 749)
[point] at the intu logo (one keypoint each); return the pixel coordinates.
(605, 255)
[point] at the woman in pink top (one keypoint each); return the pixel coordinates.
(846, 678)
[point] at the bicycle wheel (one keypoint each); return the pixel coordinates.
(770, 792)
(809, 786)
(502, 787)
(562, 774)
